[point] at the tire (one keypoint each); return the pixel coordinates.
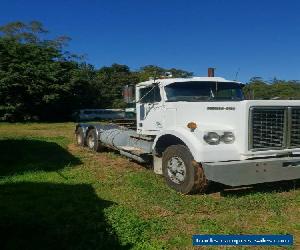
(92, 141)
(79, 135)
(181, 172)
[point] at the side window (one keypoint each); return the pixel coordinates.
(150, 94)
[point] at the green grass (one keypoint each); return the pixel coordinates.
(54, 195)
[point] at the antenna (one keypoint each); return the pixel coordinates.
(236, 74)
(154, 77)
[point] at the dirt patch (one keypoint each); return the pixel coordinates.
(108, 159)
(118, 162)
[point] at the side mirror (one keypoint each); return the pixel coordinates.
(129, 93)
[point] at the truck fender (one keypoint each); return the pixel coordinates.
(184, 136)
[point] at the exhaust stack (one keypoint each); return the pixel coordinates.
(211, 72)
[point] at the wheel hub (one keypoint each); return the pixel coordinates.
(176, 169)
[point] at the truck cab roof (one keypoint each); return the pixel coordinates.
(167, 81)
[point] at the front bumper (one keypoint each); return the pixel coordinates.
(247, 172)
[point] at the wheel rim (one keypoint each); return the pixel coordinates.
(176, 169)
(91, 141)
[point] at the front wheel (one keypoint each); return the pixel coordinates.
(181, 172)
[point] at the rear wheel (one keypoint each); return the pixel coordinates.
(92, 141)
(181, 172)
(79, 135)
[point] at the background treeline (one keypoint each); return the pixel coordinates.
(40, 80)
(257, 88)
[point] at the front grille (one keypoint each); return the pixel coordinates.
(268, 128)
(274, 128)
(295, 127)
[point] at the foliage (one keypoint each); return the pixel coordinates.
(154, 71)
(257, 88)
(109, 84)
(36, 78)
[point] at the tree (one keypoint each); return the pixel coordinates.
(110, 82)
(154, 71)
(37, 79)
(257, 88)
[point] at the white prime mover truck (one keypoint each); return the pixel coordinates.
(201, 129)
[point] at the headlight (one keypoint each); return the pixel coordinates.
(212, 138)
(228, 137)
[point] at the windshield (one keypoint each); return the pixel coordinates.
(204, 91)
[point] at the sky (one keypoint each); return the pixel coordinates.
(241, 39)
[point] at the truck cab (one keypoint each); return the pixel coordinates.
(201, 129)
(168, 103)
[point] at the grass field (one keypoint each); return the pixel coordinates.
(55, 195)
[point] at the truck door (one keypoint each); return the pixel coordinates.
(150, 110)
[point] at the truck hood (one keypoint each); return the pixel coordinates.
(225, 116)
